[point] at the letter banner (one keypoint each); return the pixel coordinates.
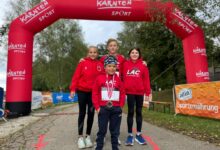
(198, 99)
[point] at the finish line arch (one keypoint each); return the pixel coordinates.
(23, 29)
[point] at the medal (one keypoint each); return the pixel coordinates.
(110, 87)
(109, 104)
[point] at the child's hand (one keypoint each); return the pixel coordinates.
(146, 98)
(81, 59)
(144, 63)
(98, 110)
(72, 94)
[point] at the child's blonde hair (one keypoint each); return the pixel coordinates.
(111, 40)
(92, 47)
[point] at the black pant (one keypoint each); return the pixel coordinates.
(113, 116)
(84, 100)
(131, 100)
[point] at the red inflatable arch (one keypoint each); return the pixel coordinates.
(23, 29)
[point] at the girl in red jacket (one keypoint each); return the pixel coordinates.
(108, 97)
(136, 83)
(82, 82)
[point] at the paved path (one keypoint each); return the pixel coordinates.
(59, 132)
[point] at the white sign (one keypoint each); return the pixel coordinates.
(36, 100)
(185, 94)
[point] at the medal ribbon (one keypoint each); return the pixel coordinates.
(110, 87)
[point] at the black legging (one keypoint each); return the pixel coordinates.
(84, 99)
(131, 100)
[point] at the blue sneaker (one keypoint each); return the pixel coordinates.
(140, 140)
(129, 141)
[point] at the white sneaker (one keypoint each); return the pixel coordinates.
(81, 143)
(104, 140)
(119, 142)
(88, 142)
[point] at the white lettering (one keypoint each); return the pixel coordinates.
(46, 15)
(185, 18)
(133, 72)
(28, 16)
(187, 29)
(17, 75)
(201, 74)
(108, 4)
(17, 48)
(121, 13)
(212, 108)
(201, 51)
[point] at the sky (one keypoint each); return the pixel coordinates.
(94, 32)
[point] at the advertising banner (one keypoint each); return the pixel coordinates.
(37, 99)
(59, 97)
(198, 99)
(47, 99)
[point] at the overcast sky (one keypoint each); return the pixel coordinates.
(94, 32)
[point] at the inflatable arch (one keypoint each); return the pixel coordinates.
(23, 29)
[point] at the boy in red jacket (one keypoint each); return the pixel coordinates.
(112, 47)
(136, 83)
(108, 98)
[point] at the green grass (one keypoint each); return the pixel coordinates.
(199, 128)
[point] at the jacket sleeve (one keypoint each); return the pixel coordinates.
(95, 94)
(76, 77)
(102, 62)
(121, 69)
(147, 81)
(122, 94)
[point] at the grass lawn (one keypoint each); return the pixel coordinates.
(199, 128)
(196, 127)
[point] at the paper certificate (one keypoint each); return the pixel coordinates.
(113, 97)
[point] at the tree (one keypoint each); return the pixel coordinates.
(162, 49)
(57, 49)
(60, 48)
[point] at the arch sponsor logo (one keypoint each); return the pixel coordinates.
(187, 24)
(120, 8)
(185, 94)
(201, 51)
(17, 48)
(36, 11)
(200, 107)
(201, 74)
(16, 75)
(114, 4)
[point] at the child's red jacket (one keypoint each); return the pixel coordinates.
(136, 78)
(101, 82)
(85, 74)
